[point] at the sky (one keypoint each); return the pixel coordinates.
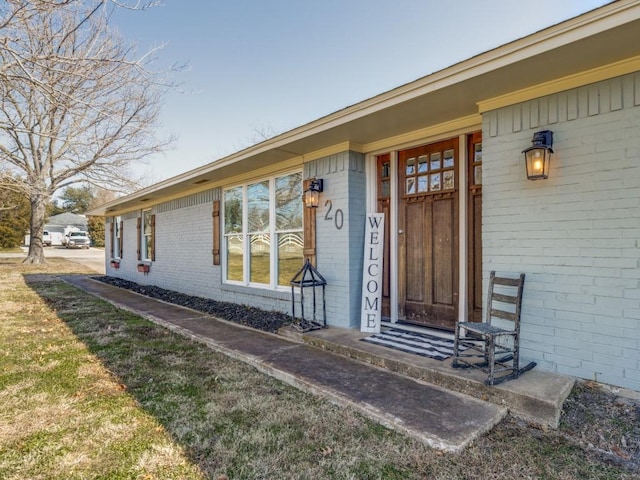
(258, 67)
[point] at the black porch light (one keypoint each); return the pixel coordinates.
(538, 156)
(312, 194)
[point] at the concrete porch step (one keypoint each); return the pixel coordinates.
(537, 396)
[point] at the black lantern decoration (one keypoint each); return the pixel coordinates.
(538, 157)
(312, 194)
(308, 277)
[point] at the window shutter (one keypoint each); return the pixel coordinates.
(216, 232)
(153, 238)
(139, 227)
(309, 219)
(121, 238)
(112, 236)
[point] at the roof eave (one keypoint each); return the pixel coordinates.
(594, 22)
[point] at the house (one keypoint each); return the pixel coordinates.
(56, 225)
(442, 158)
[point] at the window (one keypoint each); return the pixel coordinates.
(146, 248)
(263, 236)
(429, 169)
(117, 237)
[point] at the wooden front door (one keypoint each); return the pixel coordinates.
(428, 234)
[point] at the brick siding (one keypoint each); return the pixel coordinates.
(576, 234)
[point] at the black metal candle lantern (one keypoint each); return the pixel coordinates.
(308, 277)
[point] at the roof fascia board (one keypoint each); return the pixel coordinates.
(112, 207)
(566, 83)
(287, 164)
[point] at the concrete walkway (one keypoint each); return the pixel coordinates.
(440, 418)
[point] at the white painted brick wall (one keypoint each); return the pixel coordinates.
(339, 250)
(129, 261)
(184, 262)
(575, 234)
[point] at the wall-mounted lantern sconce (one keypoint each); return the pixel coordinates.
(538, 156)
(312, 194)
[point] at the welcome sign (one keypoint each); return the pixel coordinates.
(372, 274)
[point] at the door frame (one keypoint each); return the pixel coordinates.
(371, 184)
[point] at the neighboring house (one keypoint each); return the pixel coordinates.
(442, 158)
(56, 225)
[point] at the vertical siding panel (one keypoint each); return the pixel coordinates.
(615, 94)
(593, 100)
(604, 89)
(504, 121)
(526, 123)
(563, 107)
(572, 105)
(627, 90)
(543, 113)
(553, 109)
(636, 89)
(493, 124)
(583, 102)
(534, 114)
(517, 118)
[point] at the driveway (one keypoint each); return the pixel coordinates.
(92, 258)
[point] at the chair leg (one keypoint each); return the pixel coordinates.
(516, 356)
(490, 355)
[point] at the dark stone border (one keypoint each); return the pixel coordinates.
(242, 314)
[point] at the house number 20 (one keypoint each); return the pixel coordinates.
(338, 217)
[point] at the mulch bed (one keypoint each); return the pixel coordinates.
(268, 321)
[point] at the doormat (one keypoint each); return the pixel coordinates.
(412, 342)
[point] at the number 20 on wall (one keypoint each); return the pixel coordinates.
(337, 217)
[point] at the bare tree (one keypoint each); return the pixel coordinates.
(76, 102)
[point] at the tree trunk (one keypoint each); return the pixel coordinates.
(38, 214)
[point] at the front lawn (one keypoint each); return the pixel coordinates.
(91, 391)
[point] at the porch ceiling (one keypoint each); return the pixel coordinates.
(576, 46)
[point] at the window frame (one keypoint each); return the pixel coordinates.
(117, 237)
(273, 232)
(146, 249)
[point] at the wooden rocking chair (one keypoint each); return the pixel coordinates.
(494, 347)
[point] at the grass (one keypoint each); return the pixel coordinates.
(11, 250)
(90, 391)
